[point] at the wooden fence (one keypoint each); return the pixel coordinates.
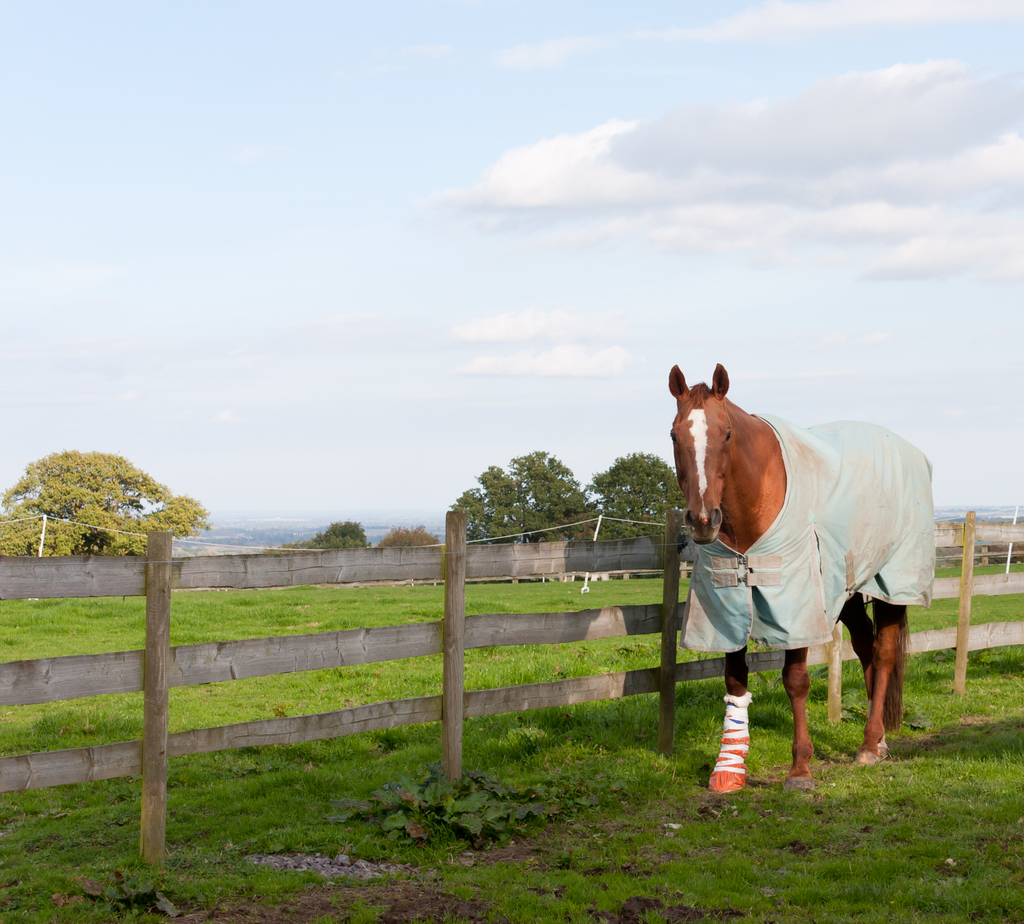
(159, 666)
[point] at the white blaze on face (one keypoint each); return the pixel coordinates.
(699, 432)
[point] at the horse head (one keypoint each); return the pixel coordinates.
(701, 435)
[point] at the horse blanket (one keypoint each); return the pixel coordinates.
(857, 517)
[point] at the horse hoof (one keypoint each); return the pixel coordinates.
(865, 758)
(724, 781)
(798, 784)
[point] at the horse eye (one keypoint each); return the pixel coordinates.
(728, 436)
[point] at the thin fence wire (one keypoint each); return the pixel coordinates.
(263, 548)
(549, 529)
(38, 516)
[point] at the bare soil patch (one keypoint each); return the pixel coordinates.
(634, 911)
(407, 903)
(397, 904)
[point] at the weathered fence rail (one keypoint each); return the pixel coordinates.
(23, 577)
(55, 679)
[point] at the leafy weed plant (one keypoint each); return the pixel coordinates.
(477, 808)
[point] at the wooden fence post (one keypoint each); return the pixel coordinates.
(963, 626)
(835, 675)
(156, 697)
(669, 632)
(454, 632)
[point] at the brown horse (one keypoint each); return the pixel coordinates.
(732, 470)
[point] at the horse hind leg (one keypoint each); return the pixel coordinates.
(797, 682)
(855, 617)
(885, 710)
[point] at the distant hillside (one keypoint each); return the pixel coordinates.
(957, 514)
(232, 533)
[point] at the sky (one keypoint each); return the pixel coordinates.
(311, 255)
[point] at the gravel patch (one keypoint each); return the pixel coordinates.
(339, 867)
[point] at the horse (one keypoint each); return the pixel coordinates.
(795, 529)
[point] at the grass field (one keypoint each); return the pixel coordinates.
(932, 834)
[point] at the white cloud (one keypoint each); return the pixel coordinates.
(777, 20)
(568, 171)
(567, 360)
(913, 171)
(533, 324)
(546, 54)
(861, 120)
(226, 417)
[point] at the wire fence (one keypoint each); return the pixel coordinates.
(211, 544)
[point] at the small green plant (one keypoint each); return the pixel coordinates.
(917, 719)
(855, 705)
(477, 808)
(526, 740)
(126, 892)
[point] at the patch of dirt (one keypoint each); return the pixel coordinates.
(402, 903)
(630, 869)
(909, 747)
(634, 911)
(407, 903)
(513, 853)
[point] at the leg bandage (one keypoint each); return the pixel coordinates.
(730, 773)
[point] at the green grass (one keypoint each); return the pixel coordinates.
(871, 845)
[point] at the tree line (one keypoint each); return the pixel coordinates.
(351, 535)
(539, 492)
(101, 504)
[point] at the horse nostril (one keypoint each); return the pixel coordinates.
(688, 520)
(716, 517)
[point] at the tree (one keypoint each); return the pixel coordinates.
(537, 492)
(347, 535)
(403, 537)
(112, 503)
(640, 486)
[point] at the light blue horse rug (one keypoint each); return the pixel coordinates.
(857, 518)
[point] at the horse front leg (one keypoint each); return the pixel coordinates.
(797, 682)
(730, 773)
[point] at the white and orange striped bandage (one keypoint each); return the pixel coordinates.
(730, 773)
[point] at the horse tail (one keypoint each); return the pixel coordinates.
(892, 710)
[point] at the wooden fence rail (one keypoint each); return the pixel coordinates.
(23, 577)
(55, 679)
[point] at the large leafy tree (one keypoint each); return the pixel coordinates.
(342, 535)
(112, 503)
(640, 486)
(536, 493)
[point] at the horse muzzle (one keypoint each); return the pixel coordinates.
(702, 528)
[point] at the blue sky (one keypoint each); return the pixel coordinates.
(314, 256)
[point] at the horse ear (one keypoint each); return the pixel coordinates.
(720, 383)
(677, 384)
